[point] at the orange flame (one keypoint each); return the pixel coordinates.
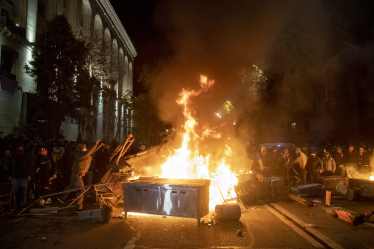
(187, 163)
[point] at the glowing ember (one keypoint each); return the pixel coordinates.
(187, 163)
(371, 178)
(136, 214)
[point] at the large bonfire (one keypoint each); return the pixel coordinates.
(187, 162)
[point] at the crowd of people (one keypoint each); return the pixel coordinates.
(309, 163)
(36, 168)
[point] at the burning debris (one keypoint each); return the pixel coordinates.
(188, 163)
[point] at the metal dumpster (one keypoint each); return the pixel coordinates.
(187, 198)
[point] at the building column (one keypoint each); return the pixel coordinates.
(32, 15)
(73, 11)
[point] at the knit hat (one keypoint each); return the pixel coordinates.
(313, 152)
(338, 149)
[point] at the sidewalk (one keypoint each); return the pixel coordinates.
(323, 220)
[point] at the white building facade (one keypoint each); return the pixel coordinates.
(20, 24)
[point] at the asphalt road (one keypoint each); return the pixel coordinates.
(279, 225)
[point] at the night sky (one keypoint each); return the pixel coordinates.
(149, 41)
(183, 39)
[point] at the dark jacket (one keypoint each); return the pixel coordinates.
(20, 166)
(314, 165)
(47, 165)
(338, 158)
(66, 163)
(283, 161)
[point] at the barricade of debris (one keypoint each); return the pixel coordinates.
(108, 192)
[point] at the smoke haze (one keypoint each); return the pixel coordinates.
(213, 38)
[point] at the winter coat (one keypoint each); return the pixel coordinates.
(20, 166)
(329, 164)
(314, 165)
(338, 158)
(66, 163)
(283, 161)
(47, 165)
(83, 160)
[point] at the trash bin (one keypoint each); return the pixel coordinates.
(227, 212)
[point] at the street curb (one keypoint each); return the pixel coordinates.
(324, 240)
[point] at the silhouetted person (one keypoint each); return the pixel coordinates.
(66, 163)
(20, 174)
(80, 167)
(328, 164)
(102, 160)
(46, 167)
(313, 166)
(338, 157)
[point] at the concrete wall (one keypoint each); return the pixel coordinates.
(11, 91)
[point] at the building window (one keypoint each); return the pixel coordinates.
(293, 127)
(306, 126)
(8, 62)
(41, 10)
